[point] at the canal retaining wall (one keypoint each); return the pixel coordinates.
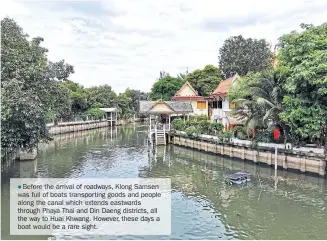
(286, 159)
(76, 126)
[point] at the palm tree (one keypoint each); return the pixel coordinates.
(264, 105)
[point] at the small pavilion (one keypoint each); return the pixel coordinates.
(165, 109)
(111, 115)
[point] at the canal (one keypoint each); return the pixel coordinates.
(293, 206)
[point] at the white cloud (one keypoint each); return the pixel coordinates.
(125, 43)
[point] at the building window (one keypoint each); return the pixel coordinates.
(201, 105)
(217, 104)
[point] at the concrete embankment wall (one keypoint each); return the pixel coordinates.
(286, 159)
(78, 126)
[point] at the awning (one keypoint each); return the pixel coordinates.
(108, 110)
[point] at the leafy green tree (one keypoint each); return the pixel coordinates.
(29, 88)
(261, 101)
(60, 103)
(78, 96)
(241, 89)
(165, 88)
(163, 74)
(101, 96)
(303, 63)
(96, 113)
(135, 97)
(240, 55)
(183, 75)
(124, 104)
(205, 80)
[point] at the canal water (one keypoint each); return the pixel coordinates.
(291, 206)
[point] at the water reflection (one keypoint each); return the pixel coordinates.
(282, 205)
(274, 205)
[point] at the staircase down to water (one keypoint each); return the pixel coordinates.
(160, 136)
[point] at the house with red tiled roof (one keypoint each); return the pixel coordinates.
(219, 106)
(188, 93)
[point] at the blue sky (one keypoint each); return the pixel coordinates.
(125, 43)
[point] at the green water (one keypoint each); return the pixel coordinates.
(203, 206)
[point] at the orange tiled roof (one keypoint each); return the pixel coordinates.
(222, 88)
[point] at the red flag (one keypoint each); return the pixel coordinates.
(276, 133)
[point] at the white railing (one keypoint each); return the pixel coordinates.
(159, 126)
(219, 112)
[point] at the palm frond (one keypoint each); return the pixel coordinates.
(259, 92)
(253, 122)
(272, 114)
(264, 102)
(267, 83)
(239, 100)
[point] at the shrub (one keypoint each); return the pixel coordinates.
(190, 123)
(203, 127)
(192, 131)
(96, 113)
(240, 132)
(198, 118)
(216, 127)
(178, 124)
(225, 137)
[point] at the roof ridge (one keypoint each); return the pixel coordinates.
(187, 83)
(162, 101)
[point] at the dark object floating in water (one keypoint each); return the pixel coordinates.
(238, 178)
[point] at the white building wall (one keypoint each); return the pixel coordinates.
(225, 104)
(221, 113)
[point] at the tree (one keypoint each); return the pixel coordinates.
(28, 89)
(101, 96)
(205, 80)
(303, 63)
(135, 97)
(240, 55)
(165, 88)
(163, 74)
(124, 104)
(60, 70)
(241, 89)
(262, 100)
(183, 75)
(78, 96)
(96, 113)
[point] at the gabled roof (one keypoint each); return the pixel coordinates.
(189, 85)
(222, 88)
(195, 96)
(180, 107)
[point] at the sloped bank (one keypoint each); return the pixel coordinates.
(286, 159)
